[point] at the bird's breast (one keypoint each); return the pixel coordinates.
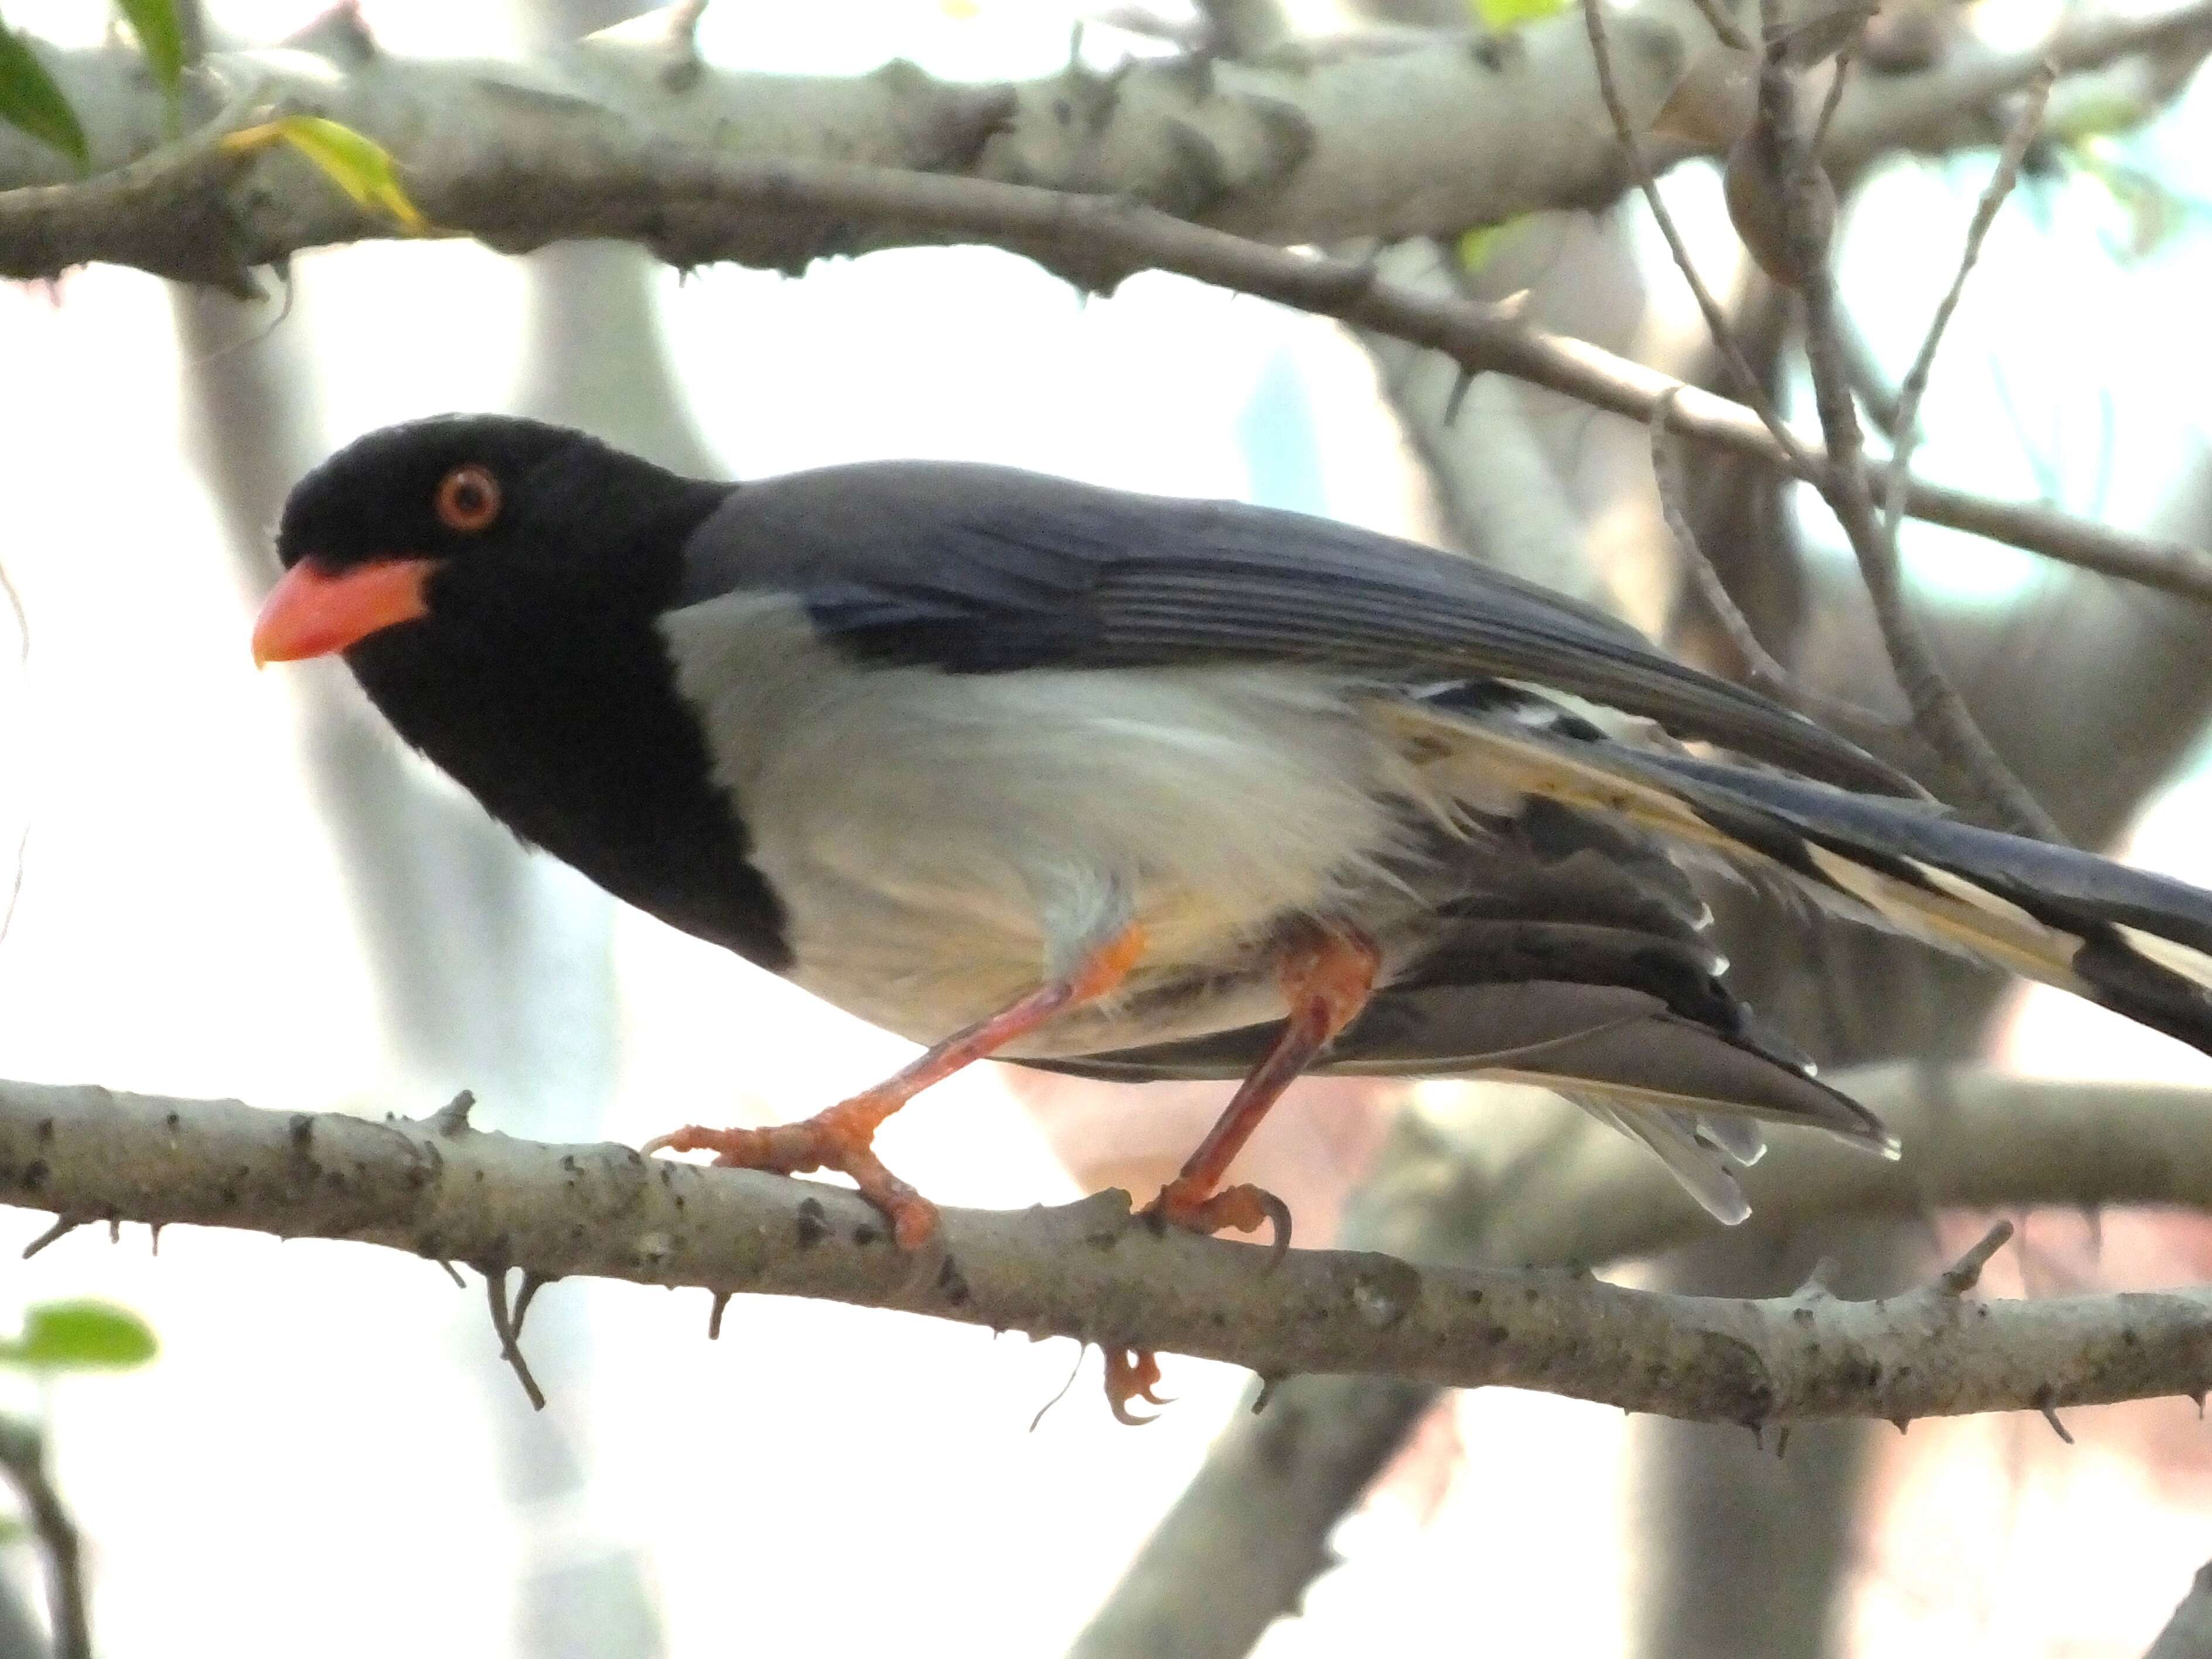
(942, 843)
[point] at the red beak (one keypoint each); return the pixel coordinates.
(311, 613)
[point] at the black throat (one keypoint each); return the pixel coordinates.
(557, 709)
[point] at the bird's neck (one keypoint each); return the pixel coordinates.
(568, 729)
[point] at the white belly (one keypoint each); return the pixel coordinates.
(942, 843)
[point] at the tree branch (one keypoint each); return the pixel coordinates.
(2188, 1634)
(1778, 149)
(776, 212)
(1088, 1270)
(1480, 1182)
(23, 1460)
(1416, 133)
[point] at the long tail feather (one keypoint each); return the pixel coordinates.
(2137, 944)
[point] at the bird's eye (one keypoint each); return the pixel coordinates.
(468, 499)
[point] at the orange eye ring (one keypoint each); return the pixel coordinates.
(468, 499)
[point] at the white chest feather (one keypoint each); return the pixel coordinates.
(942, 841)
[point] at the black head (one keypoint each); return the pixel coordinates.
(493, 584)
(470, 514)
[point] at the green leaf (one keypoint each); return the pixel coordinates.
(160, 37)
(1477, 245)
(1499, 16)
(80, 1336)
(30, 99)
(358, 165)
(2095, 115)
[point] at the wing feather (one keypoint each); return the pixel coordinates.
(978, 569)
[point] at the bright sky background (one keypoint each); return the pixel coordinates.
(309, 1467)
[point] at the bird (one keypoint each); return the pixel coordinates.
(1136, 788)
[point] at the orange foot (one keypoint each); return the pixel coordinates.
(1131, 1374)
(1134, 1373)
(841, 1138)
(1184, 1202)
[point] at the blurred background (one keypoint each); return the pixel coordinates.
(239, 885)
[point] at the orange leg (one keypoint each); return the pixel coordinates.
(1328, 977)
(843, 1137)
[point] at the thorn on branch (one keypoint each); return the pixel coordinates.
(503, 1323)
(1459, 391)
(1965, 1273)
(63, 1224)
(1816, 1285)
(684, 65)
(453, 1273)
(1267, 1392)
(1782, 1443)
(2047, 1404)
(341, 34)
(452, 1118)
(715, 1316)
(525, 1294)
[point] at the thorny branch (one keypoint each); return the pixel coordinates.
(1456, 1183)
(489, 151)
(1419, 133)
(1089, 1271)
(633, 198)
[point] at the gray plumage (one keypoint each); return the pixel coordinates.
(980, 718)
(921, 737)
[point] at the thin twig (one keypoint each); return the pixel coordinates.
(1766, 671)
(1725, 27)
(1915, 386)
(626, 197)
(1939, 713)
(1868, 383)
(1845, 61)
(1965, 1273)
(23, 1456)
(1716, 323)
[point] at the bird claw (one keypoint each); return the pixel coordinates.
(1243, 1209)
(1131, 1374)
(840, 1138)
